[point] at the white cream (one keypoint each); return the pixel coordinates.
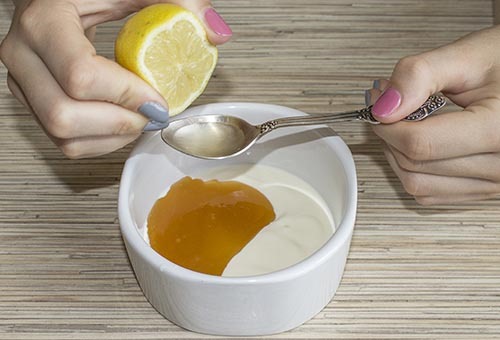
(303, 221)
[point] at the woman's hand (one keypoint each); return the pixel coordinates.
(453, 156)
(88, 105)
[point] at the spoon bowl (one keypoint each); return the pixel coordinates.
(210, 136)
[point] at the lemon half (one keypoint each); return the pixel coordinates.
(167, 46)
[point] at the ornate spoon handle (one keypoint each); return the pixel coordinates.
(431, 105)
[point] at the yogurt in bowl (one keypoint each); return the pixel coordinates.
(291, 269)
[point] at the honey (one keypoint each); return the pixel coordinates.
(202, 225)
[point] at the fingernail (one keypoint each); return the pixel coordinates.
(368, 97)
(376, 84)
(155, 126)
(387, 103)
(154, 111)
(216, 23)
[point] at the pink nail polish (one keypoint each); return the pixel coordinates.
(216, 23)
(387, 103)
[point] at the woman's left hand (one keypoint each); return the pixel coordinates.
(448, 157)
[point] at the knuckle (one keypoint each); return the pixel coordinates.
(413, 184)
(59, 121)
(417, 146)
(415, 65)
(71, 149)
(33, 21)
(124, 127)
(79, 78)
(28, 19)
(409, 164)
(125, 95)
(9, 51)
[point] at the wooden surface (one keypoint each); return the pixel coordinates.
(412, 273)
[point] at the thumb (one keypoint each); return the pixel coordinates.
(417, 77)
(218, 31)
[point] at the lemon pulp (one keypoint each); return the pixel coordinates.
(167, 46)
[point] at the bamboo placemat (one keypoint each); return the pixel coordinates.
(413, 272)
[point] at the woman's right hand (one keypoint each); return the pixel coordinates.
(448, 157)
(87, 104)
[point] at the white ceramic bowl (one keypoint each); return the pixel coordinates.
(254, 305)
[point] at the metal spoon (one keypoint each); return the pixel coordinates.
(222, 136)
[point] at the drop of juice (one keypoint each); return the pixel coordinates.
(201, 225)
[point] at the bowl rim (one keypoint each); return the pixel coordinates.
(341, 235)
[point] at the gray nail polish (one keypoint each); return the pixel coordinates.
(376, 84)
(368, 97)
(155, 126)
(154, 111)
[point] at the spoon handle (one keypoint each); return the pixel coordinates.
(431, 105)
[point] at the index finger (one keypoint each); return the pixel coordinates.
(447, 135)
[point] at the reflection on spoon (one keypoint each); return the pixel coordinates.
(222, 136)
